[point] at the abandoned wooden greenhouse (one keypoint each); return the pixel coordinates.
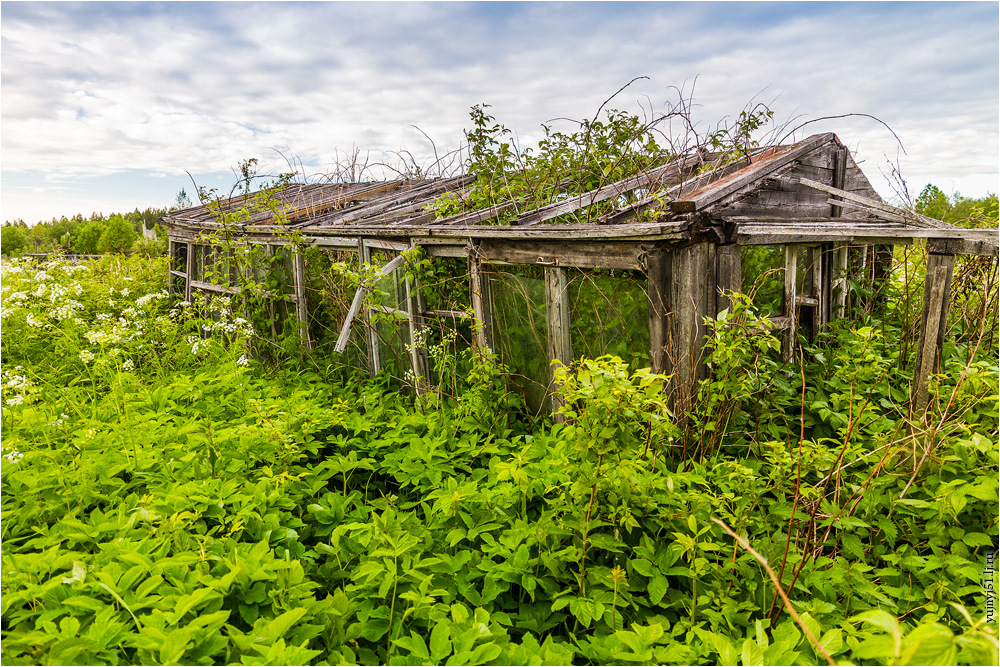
(666, 254)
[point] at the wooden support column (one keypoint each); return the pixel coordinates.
(374, 353)
(415, 306)
(482, 303)
(188, 269)
(301, 308)
(933, 324)
(729, 273)
(691, 299)
(658, 274)
(816, 268)
(557, 318)
(840, 285)
(788, 336)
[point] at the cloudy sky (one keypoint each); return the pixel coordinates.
(108, 106)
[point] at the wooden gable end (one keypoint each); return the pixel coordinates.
(781, 195)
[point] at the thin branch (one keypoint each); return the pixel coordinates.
(777, 585)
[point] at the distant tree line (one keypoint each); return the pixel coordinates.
(98, 234)
(956, 209)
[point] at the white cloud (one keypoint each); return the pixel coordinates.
(91, 90)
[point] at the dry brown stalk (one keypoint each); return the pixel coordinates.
(777, 585)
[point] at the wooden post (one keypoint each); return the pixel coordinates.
(301, 308)
(415, 307)
(933, 324)
(374, 353)
(557, 317)
(840, 285)
(788, 338)
(188, 269)
(816, 267)
(482, 303)
(692, 298)
(658, 273)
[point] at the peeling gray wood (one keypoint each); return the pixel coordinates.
(934, 323)
(482, 303)
(749, 177)
(592, 255)
(909, 216)
(301, 307)
(980, 247)
(788, 337)
(557, 316)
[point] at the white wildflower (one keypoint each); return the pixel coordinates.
(34, 321)
(128, 365)
(244, 360)
(13, 455)
(15, 400)
(86, 356)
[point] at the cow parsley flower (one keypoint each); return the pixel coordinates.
(86, 356)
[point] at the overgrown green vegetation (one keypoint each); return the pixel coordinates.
(182, 483)
(169, 499)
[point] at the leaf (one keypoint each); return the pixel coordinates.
(657, 588)
(886, 621)
(832, 641)
(440, 642)
(752, 653)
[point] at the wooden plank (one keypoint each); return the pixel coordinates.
(823, 157)
(840, 286)
(934, 323)
(788, 337)
(980, 247)
(751, 234)
(415, 304)
(557, 317)
(816, 267)
(594, 255)
(363, 289)
(445, 250)
(301, 307)
(839, 171)
(387, 244)
(482, 303)
(658, 281)
(370, 193)
(908, 216)
(188, 269)
(749, 177)
(692, 299)
(344, 242)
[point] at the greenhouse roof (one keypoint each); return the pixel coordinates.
(809, 191)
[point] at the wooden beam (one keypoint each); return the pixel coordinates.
(415, 305)
(482, 303)
(188, 269)
(692, 299)
(658, 275)
(592, 255)
(980, 247)
(840, 285)
(933, 324)
(301, 307)
(557, 317)
(839, 172)
(877, 206)
(788, 336)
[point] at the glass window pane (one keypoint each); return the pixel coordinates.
(764, 277)
(609, 314)
(520, 331)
